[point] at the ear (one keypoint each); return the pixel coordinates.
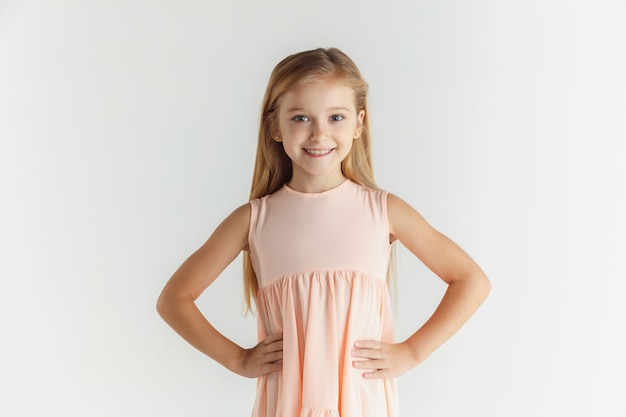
(359, 124)
(275, 130)
(275, 133)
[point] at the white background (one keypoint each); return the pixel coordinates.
(128, 131)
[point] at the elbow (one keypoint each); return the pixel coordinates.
(484, 284)
(171, 304)
(475, 283)
(163, 305)
(160, 305)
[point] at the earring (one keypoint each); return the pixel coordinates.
(357, 135)
(277, 138)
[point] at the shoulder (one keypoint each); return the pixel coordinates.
(237, 222)
(230, 236)
(239, 219)
(360, 189)
(403, 218)
(235, 227)
(242, 212)
(259, 207)
(266, 198)
(395, 203)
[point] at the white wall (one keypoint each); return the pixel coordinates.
(127, 132)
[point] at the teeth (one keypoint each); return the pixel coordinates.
(318, 151)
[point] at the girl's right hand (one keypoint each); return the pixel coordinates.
(264, 358)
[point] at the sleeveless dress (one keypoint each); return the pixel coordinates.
(321, 264)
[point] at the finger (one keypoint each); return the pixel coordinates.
(368, 353)
(273, 347)
(369, 364)
(272, 338)
(271, 367)
(377, 374)
(272, 357)
(368, 344)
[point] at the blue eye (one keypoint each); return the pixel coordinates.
(336, 117)
(301, 118)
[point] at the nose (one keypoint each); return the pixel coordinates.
(320, 131)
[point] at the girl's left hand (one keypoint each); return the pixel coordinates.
(384, 359)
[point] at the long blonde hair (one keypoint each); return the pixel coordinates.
(272, 168)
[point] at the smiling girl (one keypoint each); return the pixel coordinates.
(317, 237)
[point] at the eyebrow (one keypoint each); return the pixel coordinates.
(300, 109)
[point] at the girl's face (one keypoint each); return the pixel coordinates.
(318, 121)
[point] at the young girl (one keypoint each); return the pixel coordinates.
(317, 238)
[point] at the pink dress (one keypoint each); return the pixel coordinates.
(321, 263)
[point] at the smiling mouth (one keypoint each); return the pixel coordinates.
(318, 152)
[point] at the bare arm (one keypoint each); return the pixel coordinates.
(468, 287)
(177, 307)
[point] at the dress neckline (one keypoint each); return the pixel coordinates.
(333, 190)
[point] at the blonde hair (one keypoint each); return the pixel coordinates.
(272, 168)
